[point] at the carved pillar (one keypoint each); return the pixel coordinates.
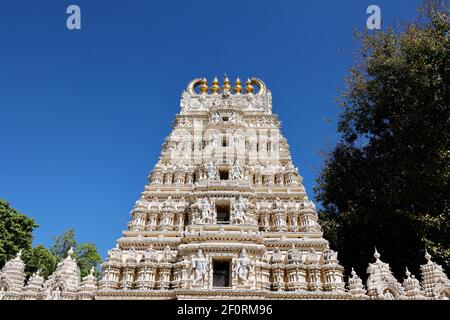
(333, 277)
(308, 218)
(279, 217)
(164, 270)
(296, 271)
(278, 270)
(138, 221)
(269, 179)
(157, 176)
(263, 269)
(180, 176)
(147, 268)
(189, 177)
(168, 178)
(129, 274)
(153, 217)
(293, 220)
(111, 271)
(314, 280)
(180, 274)
(179, 221)
(165, 223)
(266, 219)
(258, 179)
(279, 178)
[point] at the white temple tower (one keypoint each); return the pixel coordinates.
(224, 216)
(224, 213)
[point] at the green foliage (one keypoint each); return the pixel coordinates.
(85, 253)
(87, 257)
(39, 258)
(387, 182)
(15, 232)
(63, 243)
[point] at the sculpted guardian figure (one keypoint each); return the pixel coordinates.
(56, 294)
(211, 171)
(215, 117)
(243, 266)
(239, 210)
(236, 171)
(199, 264)
(205, 210)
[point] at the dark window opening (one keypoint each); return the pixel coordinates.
(224, 142)
(223, 213)
(225, 118)
(221, 273)
(223, 174)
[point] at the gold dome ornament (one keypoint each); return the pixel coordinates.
(204, 86)
(215, 86)
(249, 86)
(226, 84)
(192, 85)
(237, 86)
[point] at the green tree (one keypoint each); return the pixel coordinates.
(63, 243)
(16, 232)
(86, 254)
(387, 181)
(39, 258)
(87, 257)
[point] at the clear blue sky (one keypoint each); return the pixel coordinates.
(84, 113)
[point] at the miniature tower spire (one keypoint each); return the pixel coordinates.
(204, 86)
(249, 87)
(238, 86)
(226, 84)
(215, 86)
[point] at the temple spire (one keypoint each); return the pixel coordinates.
(238, 86)
(249, 86)
(226, 84)
(215, 86)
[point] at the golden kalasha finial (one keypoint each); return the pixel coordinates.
(249, 86)
(204, 86)
(226, 84)
(238, 86)
(215, 86)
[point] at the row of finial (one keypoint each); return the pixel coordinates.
(215, 87)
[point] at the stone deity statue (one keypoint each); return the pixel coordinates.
(205, 210)
(56, 294)
(239, 210)
(199, 264)
(215, 117)
(211, 171)
(388, 296)
(236, 171)
(243, 266)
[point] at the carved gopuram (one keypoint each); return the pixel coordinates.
(224, 215)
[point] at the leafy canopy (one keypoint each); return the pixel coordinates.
(387, 181)
(86, 254)
(16, 232)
